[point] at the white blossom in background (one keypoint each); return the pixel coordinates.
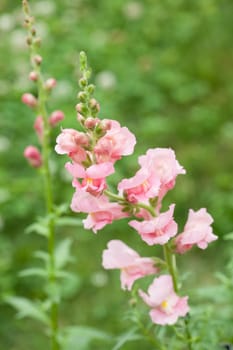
(133, 10)
(17, 40)
(7, 22)
(4, 144)
(99, 38)
(106, 80)
(99, 279)
(63, 89)
(44, 8)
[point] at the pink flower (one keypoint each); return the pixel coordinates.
(117, 142)
(132, 266)
(93, 177)
(157, 230)
(56, 117)
(141, 187)
(197, 231)
(163, 164)
(71, 142)
(166, 305)
(32, 154)
(101, 211)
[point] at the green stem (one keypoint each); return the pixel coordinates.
(42, 111)
(171, 264)
(188, 333)
(123, 200)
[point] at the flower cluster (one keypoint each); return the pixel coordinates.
(93, 152)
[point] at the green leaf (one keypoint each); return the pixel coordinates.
(127, 337)
(228, 236)
(62, 253)
(27, 308)
(80, 337)
(40, 254)
(38, 228)
(34, 271)
(69, 221)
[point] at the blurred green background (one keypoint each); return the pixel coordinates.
(163, 68)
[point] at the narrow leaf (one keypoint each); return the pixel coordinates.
(62, 253)
(68, 221)
(27, 308)
(33, 272)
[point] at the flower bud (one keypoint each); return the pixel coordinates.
(33, 76)
(83, 82)
(106, 125)
(94, 105)
(81, 139)
(50, 84)
(80, 118)
(29, 100)
(90, 122)
(56, 117)
(32, 154)
(37, 59)
(82, 96)
(91, 89)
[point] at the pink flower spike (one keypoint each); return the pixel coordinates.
(166, 306)
(39, 127)
(29, 100)
(56, 117)
(117, 142)
(158, 230)
(197, 231)
(32, 154)
(132, 266)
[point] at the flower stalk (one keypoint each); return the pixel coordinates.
(43, 91)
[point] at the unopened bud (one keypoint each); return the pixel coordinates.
(33, 31)
(29, 41)
(105, 124)
(82, 96)
(32, 154)
(56, 117)
(29, 100)
(91, 89)
(80, 118)
(83, 82)
(90, 122)
(79, 107)
(94, 105)
(50, 84)
(37, 59)
(33, 76)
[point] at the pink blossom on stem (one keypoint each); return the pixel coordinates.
(132, 266)
(33, 76)
(166, 306)
(197, 231)
(71, 142)
(157, 230)
(101, 211)
(39, 127)
(29, 100)
(163, 164)
(56, 117)
(32, 154)
(93, 177)
(141, 187)
(116, 142)
(50, 83)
